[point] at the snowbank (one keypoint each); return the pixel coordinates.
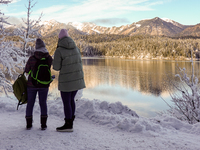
(99, 125)
(111, 115)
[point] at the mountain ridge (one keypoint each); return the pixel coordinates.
(153, 27)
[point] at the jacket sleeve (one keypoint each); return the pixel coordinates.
(57, 61)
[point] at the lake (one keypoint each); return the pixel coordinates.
(139, 84)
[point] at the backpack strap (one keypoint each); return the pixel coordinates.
(21, 74)
(35, 78)
(20, 103)
(43, 58)
(31, 71)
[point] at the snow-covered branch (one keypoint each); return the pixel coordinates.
(30, 31)
(13, 55)
(8, 55)
(187, 103)
(5, 1)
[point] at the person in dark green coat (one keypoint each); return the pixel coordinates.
(67, 60)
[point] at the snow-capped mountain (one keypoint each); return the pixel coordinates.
(13, 22)
(155, 26)
(52, 27)
(173, 22)
(169, 20)
(80, 26)
(49, 23)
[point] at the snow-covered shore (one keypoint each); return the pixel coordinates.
(99, 125)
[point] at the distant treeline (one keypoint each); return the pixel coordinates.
(138, 47)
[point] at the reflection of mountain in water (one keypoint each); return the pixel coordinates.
(144, 76)
(148, 77)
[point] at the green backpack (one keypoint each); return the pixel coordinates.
(41, 74)
(20, 89)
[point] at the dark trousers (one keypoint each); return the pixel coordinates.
(42, 93)
(69, 103)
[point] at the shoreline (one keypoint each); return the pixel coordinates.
(141, 59)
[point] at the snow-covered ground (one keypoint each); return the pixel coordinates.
(99, 125)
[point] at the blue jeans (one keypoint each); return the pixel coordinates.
(42, 93)
(69, 103)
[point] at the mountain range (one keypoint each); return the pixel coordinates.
(155, 26)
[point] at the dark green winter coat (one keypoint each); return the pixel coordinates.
(67, 60)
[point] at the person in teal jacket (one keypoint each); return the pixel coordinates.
(67, 60)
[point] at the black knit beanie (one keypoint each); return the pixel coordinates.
(39, 43)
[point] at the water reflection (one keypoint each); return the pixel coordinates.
(137, 84)
(143, 76)
(149, 77)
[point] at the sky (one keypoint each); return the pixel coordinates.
(107, 12)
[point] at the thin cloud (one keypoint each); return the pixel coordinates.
(111, 21)
(23, 13)
(15, 1)
(97, 9)
(156, 3)
(135, 8)
(88, 10)
(51, 10)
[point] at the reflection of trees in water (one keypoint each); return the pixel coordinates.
(156, 91)
(144, 76)
(150, 77)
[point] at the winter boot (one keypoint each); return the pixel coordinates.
(29, 121)
(43, 121)
(73, 118)
(67, 127)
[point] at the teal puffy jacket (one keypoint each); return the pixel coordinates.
(67, 60)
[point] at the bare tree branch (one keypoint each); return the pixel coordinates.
(186, 101)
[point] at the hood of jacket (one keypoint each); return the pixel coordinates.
(42, 49)
(66, 42)
(39, 54)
